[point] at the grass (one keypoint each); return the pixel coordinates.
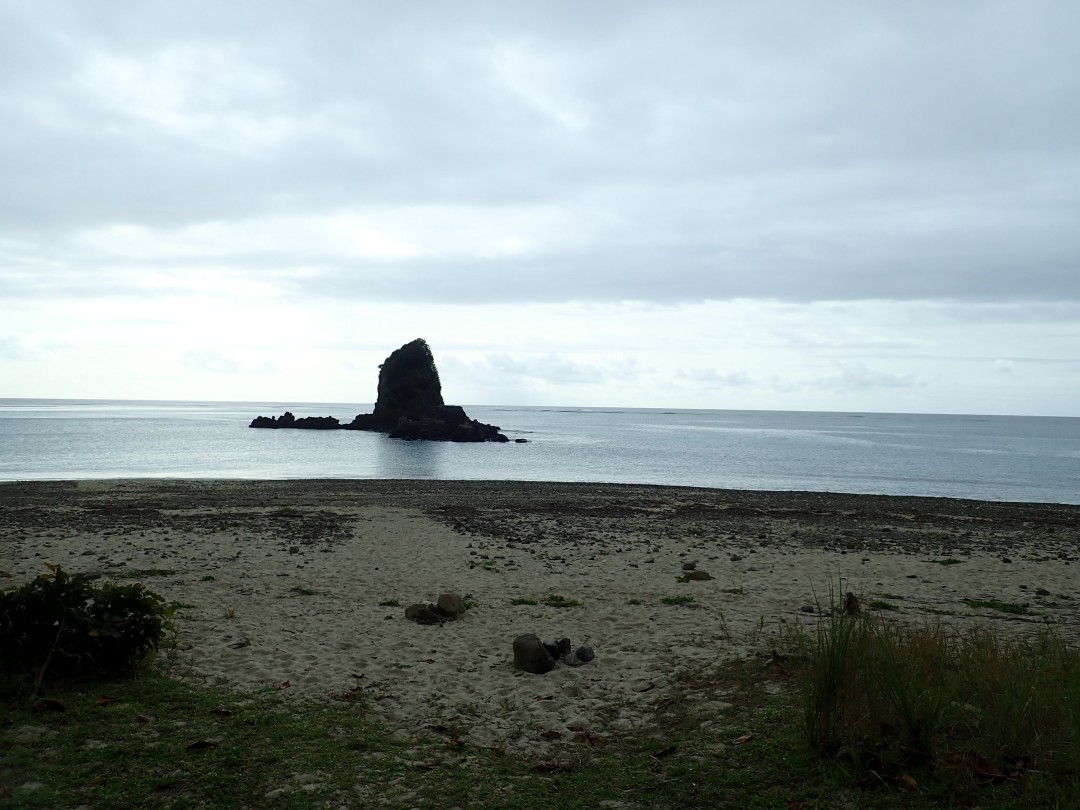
(389, 603)
(1015, 608)
(973, 718)
(946, 561)
(163, 743)
(677, 600)
(520, 601)
(879, 716)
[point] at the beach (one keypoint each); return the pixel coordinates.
(301, 586)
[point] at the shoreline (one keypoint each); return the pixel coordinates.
(280, 582)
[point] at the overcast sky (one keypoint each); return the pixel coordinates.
(847, 206)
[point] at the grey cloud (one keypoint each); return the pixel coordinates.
(704, 151)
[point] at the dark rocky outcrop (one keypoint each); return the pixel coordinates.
(287, 420)
(409, 405)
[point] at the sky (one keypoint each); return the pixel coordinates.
(848, 206)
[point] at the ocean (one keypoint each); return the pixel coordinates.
(999, 458)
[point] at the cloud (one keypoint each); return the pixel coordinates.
(715, 379)
(217, 362)
(859, 196)
(858, 377)
(707, 153)
(11, 349)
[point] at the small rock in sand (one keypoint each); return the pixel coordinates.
(531, 655)
(450, 605)
(697, 576)
(422, 614)
(689, 566)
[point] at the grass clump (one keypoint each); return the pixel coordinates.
(389, 603)
(972, 714)
(677, 600)
(521, 601)
(946, 561)
(1015, 608)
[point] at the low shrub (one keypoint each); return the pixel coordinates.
(60, 626)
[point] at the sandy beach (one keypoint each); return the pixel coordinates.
(301, 585)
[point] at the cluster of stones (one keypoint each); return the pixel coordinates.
(447, 608)
(409, 405)
(539, 657)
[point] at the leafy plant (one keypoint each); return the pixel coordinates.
(64, 626)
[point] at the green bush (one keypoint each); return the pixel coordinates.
(60, 626)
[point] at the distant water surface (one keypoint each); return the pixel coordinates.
(1008, 458)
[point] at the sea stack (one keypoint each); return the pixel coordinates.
(409, 405)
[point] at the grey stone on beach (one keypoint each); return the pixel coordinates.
(422, 614)
(585, 654)
(450, 605)
(531, 655)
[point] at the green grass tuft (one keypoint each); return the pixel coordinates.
(677, 600)
(993, 604)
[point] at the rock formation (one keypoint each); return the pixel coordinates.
(287, 420)
(409, 405)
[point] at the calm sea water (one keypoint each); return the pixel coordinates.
(985, 457)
